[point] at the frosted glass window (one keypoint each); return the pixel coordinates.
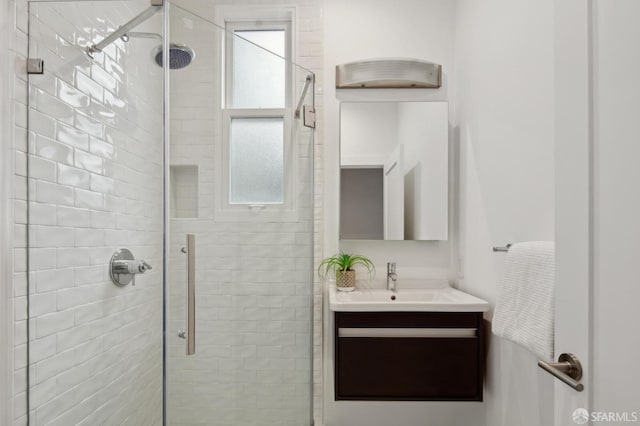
(256, 161)
(258, 75)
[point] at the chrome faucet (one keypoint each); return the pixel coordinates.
(392, 277)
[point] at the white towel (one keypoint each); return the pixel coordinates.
(524, 311)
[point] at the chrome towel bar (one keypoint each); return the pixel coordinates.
(502, 249)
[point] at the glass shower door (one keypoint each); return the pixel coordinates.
(241, 168)
(116, 173)
(92, 161)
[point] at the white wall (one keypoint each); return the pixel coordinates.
(367, 29)
(95, 169)
(504, 125)
(616, 345)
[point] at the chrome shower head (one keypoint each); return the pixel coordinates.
(180, 56)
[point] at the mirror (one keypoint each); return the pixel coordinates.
(394, 170)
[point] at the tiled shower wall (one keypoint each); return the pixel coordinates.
(95, 165)
(112, 308)
(253, 279)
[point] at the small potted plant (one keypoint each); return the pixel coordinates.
(342, 265)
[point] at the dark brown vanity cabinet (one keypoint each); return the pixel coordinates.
(409, 356)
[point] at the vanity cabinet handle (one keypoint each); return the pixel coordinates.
(454, 333)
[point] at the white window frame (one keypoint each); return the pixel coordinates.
(268, 25)
(267, 212)
(287, 211)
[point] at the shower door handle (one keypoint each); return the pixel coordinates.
(190, 333)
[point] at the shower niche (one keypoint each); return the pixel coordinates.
(183, 191)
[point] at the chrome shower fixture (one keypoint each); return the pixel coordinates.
(156, 5)
(180, 56)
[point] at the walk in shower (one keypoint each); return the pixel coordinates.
(170, 218)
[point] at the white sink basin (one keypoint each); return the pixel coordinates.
(445, 299)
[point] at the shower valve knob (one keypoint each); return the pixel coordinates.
(130, 266)
(143, 266)
(124, 267)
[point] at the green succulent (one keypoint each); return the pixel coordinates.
(344, 262)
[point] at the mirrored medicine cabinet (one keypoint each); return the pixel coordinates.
(394, 166)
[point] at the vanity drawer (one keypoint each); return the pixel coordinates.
(409, 356)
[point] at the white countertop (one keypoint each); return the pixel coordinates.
(407, 299)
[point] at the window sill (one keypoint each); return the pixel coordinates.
(247, 215)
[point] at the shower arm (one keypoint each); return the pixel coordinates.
(155, 7)
(137, 34)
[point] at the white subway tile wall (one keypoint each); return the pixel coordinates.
(95, 183)
(254, 280)
(106, 124)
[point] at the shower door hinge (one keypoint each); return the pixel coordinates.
(309, 116)
(35, 66)
(157, 2)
